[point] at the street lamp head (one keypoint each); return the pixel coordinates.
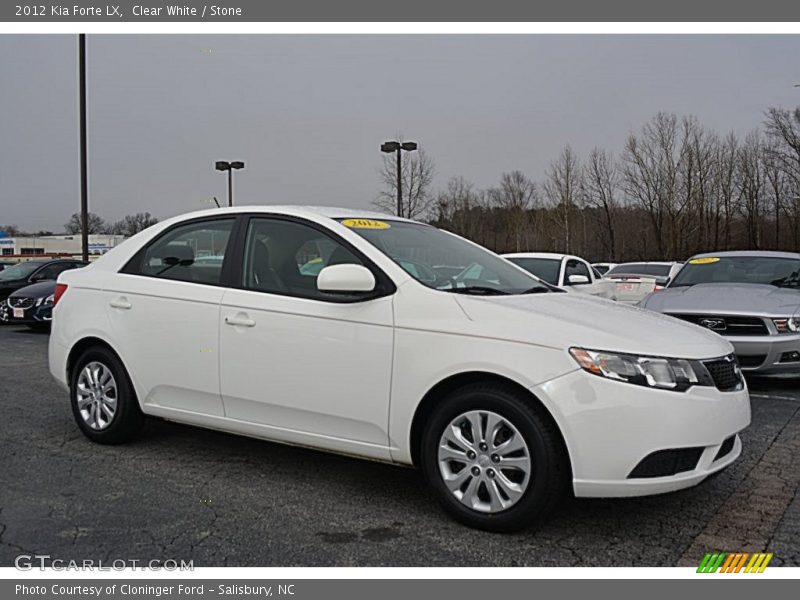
(409, 146)
(237, 164)
(222, 165)
(390, 146)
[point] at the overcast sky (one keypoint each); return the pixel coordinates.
(307, 113)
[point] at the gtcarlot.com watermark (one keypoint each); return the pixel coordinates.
(29, 562)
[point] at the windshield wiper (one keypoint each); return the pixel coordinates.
(791, 280)
(540, 290)
(477, 290)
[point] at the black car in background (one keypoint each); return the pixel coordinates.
(24, 274)
(31, 306)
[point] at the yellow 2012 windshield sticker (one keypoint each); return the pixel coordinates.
(704, 261)
(365, 224)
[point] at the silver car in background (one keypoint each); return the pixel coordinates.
(752, 298)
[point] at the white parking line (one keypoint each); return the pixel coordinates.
(774, 397)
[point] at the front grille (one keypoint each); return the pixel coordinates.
(725, 373)
(19, 302)
(727, 325)
(664, 463)
(726, 448)
(751, 361)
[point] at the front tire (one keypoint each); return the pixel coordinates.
(495, 459)
(103, 401)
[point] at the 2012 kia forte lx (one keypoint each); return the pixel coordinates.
(388, 339)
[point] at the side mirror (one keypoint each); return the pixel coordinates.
(346, 279)
(37, 278)
(577, 279)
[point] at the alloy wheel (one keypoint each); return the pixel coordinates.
(97, 395)
(484, 461)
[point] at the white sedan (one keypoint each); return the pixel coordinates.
(563, 270)
(335, 329)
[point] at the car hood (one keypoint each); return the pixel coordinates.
(37, 290)
(727, 298)
(577, 320)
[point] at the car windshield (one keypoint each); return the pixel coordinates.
(640, 269)
(443, 261)
(19, 271)
(769, 270)
(546, 269)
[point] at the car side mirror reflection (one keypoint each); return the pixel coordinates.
(577, 279)
(346, 279)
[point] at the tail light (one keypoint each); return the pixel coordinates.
(60, 289)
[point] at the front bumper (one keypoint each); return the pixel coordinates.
(35, 315)
(611, 427)
(761, 355)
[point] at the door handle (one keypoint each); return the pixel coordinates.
(240, 321)
(120, 303)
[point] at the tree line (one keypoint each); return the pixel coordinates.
(128, 225)
(676, 188)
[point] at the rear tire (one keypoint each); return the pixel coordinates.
(103, 401)
(498, 489)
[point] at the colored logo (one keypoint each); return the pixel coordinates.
(734, 562)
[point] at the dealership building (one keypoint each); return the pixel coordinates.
(29, 246)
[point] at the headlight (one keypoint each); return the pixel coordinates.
(663, 373)
(45, 301)
(790, 325)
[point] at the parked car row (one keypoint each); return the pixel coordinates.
(565, 271)
(752, 298)
(27, 291)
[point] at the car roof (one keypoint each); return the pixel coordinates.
(552, 255)
(331, 212)
(751, 253)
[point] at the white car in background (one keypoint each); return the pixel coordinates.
(565, 271)
(635, 280)
(333, 329)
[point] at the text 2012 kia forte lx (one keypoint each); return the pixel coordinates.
(392, 340)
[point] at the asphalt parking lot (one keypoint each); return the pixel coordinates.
(220, 500)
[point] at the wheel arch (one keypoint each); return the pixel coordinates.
(439, 391)
(89, 342)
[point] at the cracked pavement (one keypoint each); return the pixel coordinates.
(180, 492)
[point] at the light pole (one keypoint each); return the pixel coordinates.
(224, 165)
(395, 146)
(84, 170)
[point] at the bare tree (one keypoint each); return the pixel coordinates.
(562, 187)
(751, 181)
(642, 178)
(460, 206)
(515, 196)
(417, 175)
(95, 224)
(777, 188)
(783, 127)
(132, 224)
(601, 189)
